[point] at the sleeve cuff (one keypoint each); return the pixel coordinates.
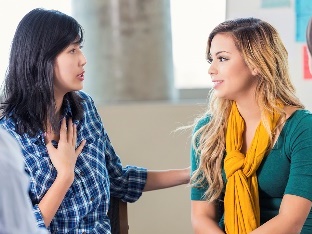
(136, 185)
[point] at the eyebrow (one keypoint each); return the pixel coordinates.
(222, 51)
(75, 43)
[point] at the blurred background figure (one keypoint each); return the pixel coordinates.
(16, 214)
(309, 43)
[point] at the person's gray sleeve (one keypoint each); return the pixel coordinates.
(16, 215)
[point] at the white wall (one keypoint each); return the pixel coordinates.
(283, 19)
(142, 134)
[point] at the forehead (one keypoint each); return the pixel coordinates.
(223, 42)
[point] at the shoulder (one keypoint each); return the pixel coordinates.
(6, 139)
(10, 151)
(84, 96)
(299, 125)
(201, 122)
(8, 126)
(87, 101)
(301, 117)
(91, 115)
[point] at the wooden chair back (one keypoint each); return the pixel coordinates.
(118, 214)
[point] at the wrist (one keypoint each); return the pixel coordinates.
(187, 175)
(65, 178)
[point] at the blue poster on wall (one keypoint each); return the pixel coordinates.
(303, 10)
(275, 3)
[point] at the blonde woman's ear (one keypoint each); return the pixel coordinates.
(254, 71)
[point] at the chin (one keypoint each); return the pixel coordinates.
(220, 95)
(225, 97)
(78, 88)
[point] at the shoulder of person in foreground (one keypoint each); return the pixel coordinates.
(16, 215)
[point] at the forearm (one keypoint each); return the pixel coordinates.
(205, 225)
(166, 178)
(51, 201)
(280, 224)
(293, 213)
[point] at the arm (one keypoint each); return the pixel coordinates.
(64, 159)
(292, 215)
(296, 203)
(51, 201)
(166, 178)
(204, 217)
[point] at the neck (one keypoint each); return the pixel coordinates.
(58, 102)
(249, 110)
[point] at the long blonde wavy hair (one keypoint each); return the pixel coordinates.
(262, 49)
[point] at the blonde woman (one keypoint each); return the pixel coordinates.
(252, 150)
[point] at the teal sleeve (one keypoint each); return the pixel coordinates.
(197, 193)
(300, 177)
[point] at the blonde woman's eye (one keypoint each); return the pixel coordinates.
(222, 59)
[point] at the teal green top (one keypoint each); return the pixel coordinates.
(286, 170)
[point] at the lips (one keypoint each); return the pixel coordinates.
(81, 76)
(216, 83)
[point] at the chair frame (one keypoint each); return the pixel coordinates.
(118, 215)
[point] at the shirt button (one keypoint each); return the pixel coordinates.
(92, 199)
(82, 173)
(84, 233)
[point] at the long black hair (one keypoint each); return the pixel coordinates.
(28, 91)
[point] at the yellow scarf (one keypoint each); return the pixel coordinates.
(241, 201)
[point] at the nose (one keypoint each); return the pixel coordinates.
(83, 60)
(212, 69)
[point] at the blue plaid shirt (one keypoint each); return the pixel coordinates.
(98, 175)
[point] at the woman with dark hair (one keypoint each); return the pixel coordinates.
(71, 162)
(252, 149)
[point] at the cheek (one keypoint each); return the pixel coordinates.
(56, 72)
(62, 69)
(58, 68)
